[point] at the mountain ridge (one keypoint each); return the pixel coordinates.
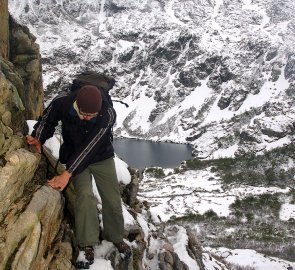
(216, 74)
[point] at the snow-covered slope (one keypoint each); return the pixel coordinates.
(217, 74)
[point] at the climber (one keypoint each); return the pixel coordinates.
(86, 122)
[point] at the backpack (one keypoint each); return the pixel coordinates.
(103, 82)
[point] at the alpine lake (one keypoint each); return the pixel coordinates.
(142, 154)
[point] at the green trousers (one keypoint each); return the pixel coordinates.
(86, 215)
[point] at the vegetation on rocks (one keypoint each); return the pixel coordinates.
(269, 168)
(156, 172)
(254, 221)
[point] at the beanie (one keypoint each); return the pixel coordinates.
(89, 99)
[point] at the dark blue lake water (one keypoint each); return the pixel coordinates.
(141, 153)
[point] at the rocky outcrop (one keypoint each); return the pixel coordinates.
(11, 106)
(30, 235)
(4, 29)
(31, 214)
(16, 173)
(25, 56)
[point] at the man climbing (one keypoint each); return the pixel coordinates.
(86, 121)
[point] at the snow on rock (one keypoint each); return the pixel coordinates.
(251, 258)
(205, 74)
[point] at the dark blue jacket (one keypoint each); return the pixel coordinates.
(84, 142)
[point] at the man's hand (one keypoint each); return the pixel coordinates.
(60, 182)
(32, 141)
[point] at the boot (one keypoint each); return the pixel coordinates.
(124, 249)
(85, 258)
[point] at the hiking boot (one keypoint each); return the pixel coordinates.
(124, 249)
(85, 258)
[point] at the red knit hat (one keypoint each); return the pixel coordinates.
(89, 99)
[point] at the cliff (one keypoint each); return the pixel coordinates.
(30, 213)
(4, 29)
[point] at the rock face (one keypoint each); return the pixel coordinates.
(30, 213)
(4, 29)
(32, 234)
(25, 56)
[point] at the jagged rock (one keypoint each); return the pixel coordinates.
(129, 192)
(232, 97)
(30, 214)
(25, 55)
(63, 257)
(248, 136)
(273, 133)
(134, 232)
(167, 257)
(126, 56)
(32, 233)
(18, 171)
(4, 32)
(188, 77)
(11, 106)
(290, 66)
(157, 111)
(195, 248)
(271, 54)
(64, 54)
(276, 71)
(170, 261)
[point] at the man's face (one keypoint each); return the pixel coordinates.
(87, 116)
